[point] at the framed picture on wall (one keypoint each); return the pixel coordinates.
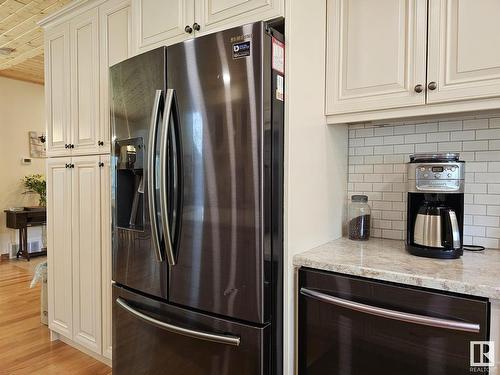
(37, 144)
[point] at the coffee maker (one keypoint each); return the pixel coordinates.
(435, 217)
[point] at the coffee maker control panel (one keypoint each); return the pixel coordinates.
(436, 177)
(443, 172)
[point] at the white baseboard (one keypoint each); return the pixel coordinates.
(100, 358)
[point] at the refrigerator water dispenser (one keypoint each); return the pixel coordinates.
(130, 184)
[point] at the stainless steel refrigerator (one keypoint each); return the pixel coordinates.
(197, 194)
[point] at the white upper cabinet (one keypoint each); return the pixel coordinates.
(86, 249)
(57, 89)
(79, 49)
(214, 15)
(407, 58)
(59, 246)
(464, 49)
(115, 46)
(161, 22)
(376, 54)
(84, 82)
(165, 22)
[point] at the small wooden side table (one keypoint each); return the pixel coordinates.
(21, 220)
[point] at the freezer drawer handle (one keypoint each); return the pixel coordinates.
(391, 314)
(221, 339)
(155, 116)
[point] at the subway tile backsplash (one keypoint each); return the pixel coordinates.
(377, 157)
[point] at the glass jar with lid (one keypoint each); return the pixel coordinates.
(359, 218)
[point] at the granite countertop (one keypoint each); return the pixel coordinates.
(475, 273)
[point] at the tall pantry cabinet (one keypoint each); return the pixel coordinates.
(81, 42)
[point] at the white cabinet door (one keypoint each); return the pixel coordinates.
(464, 49)
(376, 54)
(57, 89)
(86, 243)
(161, 22)
(115, 46)
(59, 246)
(85, 82)
(215, 15)
(107, 339)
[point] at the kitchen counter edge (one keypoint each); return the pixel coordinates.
(476, 274)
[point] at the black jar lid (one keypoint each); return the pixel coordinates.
(359, 198)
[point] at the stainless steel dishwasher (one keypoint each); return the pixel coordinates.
(357, 326)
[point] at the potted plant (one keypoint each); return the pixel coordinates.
(36, 183)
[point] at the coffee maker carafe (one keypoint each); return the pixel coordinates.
(435, 205)
(436, 226)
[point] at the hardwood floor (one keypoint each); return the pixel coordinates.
(25, 347)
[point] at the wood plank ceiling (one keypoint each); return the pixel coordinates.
(20, 32)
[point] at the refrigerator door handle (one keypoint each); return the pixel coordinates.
(201, 335)
(169, 98)
(151, 175)
(177, 167)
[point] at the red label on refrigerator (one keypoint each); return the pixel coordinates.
(278, 56)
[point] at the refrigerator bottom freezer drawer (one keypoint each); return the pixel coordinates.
(151, 337)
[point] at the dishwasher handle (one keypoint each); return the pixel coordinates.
(392, 314)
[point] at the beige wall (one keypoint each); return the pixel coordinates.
(21, 110)
(315, 153)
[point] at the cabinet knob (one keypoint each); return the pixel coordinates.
(66, 165)
(196, 26)
(72, 165)
(419, 88)
(188, 29)
(100, 143)
(101, 164)
(66, 146)
(432, 85)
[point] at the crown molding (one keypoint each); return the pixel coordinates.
(67, 12)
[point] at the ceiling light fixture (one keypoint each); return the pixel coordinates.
(5, 51)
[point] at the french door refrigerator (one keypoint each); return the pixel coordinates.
(197, 194)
